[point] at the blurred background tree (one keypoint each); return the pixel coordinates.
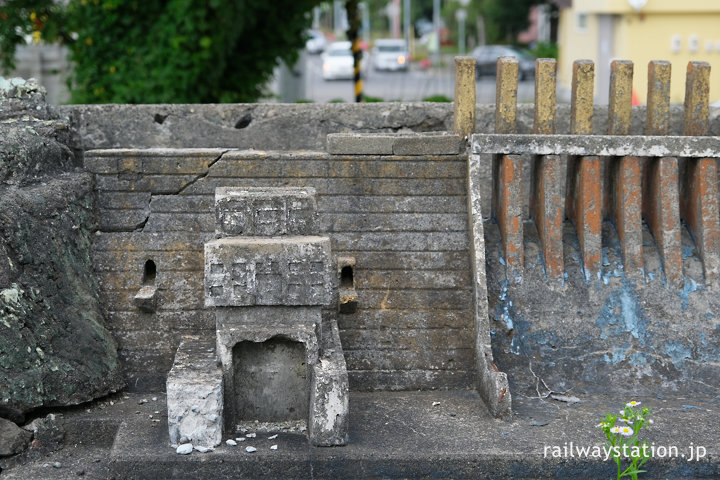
(162, 51)
(492, 21)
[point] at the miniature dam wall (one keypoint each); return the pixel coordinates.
(403, 216)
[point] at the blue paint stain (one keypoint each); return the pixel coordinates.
(605, 256)
(689, 406)
(618, 356)
(639, 359)
(709, 316)
(677, 352)
(689, 287)
(621, 314)
(687, 252)
(506, 313)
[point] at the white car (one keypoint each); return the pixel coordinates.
(338, 61)
(390, 54)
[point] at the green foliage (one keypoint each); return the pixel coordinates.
(167, 51)
(369, 99)
(503, 19)
(437, 98)
(545, 50)
(511, 16)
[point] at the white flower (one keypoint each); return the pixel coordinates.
(629, 422)
(633, 404)
(651, 421)
(624, 431)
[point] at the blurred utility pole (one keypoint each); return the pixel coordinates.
(316, 17)
(365, 22)
(351, 6)
(436, 28)
(461, 16)
(393, 11)
(407, 29)
(337, 18)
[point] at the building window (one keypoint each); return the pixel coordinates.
(581, 22)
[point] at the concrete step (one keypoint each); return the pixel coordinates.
(441, 434)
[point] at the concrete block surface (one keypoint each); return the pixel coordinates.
(195, 395)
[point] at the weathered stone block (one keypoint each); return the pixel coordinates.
(360, 144)
(265, 211)
(329, 400)
(275, 271)
(427, 144)
(195, 395)
(146, 299)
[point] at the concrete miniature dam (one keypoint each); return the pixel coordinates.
(361, 291)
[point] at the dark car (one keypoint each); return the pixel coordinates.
(487, 55)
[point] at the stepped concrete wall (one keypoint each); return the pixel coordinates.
(403, 218)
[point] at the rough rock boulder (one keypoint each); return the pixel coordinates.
(54, 347)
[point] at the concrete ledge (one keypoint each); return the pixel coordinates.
(442, 434)
(430, 143)
(600, 145)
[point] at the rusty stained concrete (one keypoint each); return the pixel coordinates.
(626, 211)
(547, 210)
(699, 210)
(661, 211)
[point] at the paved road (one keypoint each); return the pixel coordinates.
(413, 85)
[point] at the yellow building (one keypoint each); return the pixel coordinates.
(678, 31)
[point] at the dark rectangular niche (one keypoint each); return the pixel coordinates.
(270, 380)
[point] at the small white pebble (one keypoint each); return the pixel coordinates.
(435, 404)
(274, 447)
(184, 449)
(240, 439)
(231, 442)
(149, 416)
(57, 464)
(157, 412)
(273, 437)
(250, 449)
(202, 449)
(250, 435)
(154, 399)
